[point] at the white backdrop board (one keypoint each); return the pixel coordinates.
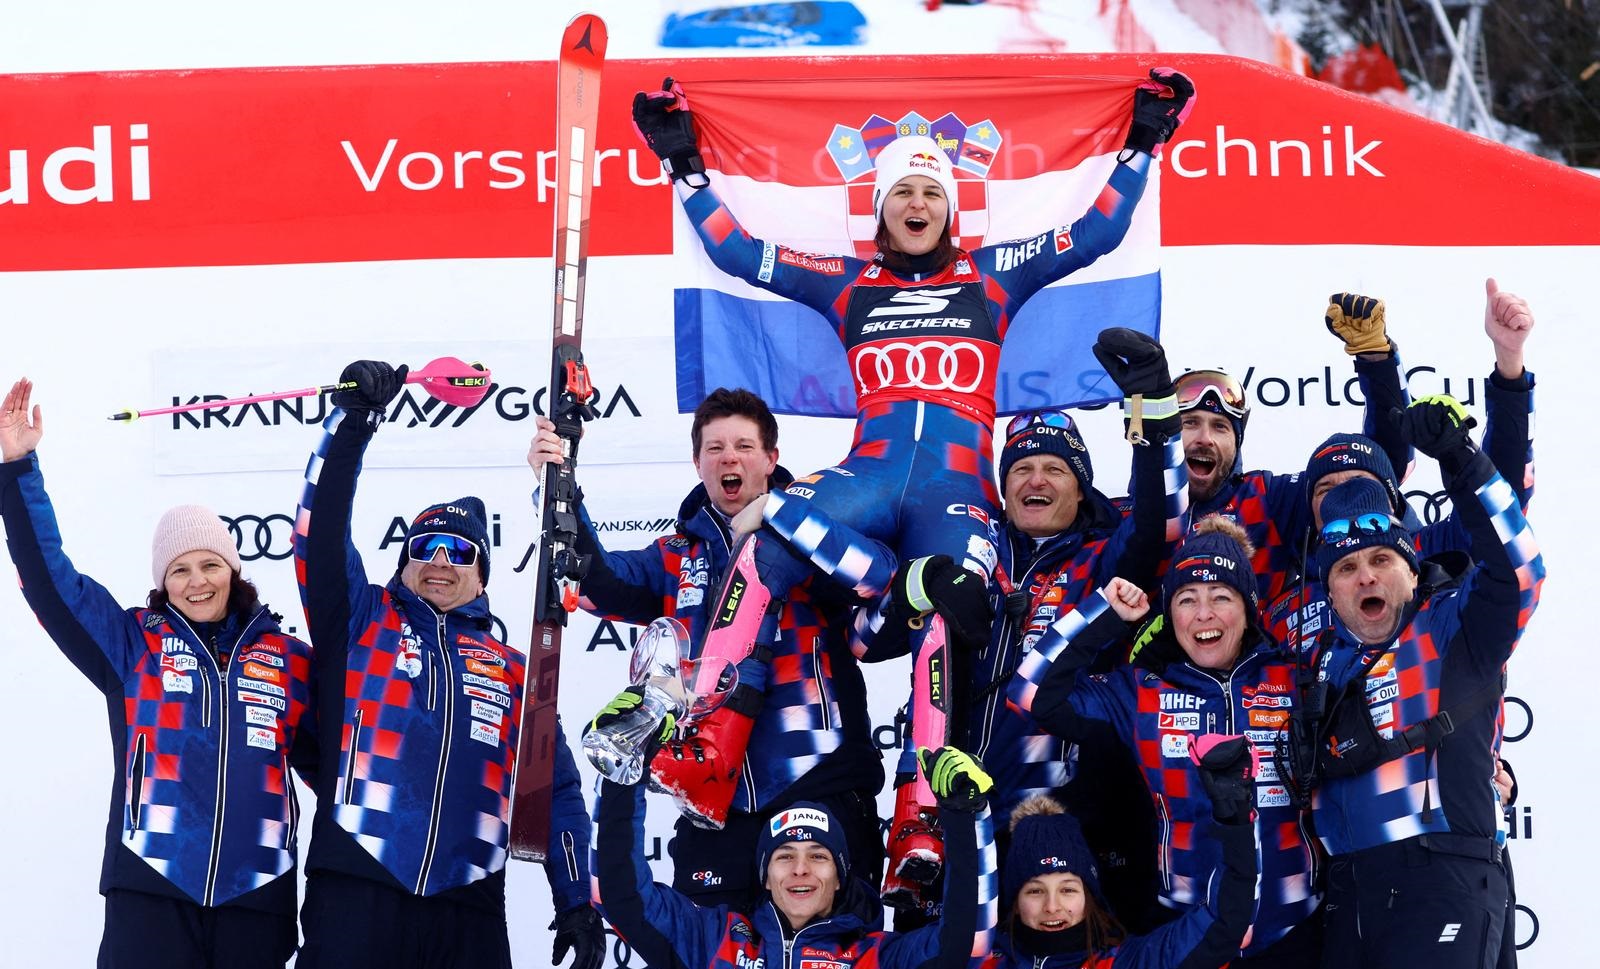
(124, 303)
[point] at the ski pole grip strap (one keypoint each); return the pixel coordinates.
(1140, 408)
(746, 701)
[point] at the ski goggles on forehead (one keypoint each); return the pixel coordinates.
(1049, 418)
(1371, 523)
(1192, 387)
(457, 550)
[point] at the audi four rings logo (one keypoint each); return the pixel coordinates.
(1435, 505)
(912, 363)
(262, 537)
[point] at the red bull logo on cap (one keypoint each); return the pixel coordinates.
(922, 159)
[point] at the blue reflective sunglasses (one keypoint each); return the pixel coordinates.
(1371, 523)
(457, 550)
(1049, 418)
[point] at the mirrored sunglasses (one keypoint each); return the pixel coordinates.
(1049, 418)
(457, 550)
(1370, 523)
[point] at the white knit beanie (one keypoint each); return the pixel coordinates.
(913, 155)
(185, 529)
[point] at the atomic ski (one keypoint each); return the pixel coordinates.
(558, 566)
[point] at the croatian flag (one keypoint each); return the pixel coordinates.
(793, 161)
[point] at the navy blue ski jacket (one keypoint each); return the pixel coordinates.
(813, 734)
(1205, 937)
(203, 735)
(416, 791)
(670, 932)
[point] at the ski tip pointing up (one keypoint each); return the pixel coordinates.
(587, 34)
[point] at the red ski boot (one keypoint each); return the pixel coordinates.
(916, 850)
(702, 770)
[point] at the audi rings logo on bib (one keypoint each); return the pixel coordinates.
(257, 537)
(958, 366)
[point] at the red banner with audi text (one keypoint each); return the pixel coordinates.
(303, 165)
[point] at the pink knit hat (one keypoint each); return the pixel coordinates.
(185, 529)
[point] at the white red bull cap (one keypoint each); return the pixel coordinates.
(913, 155)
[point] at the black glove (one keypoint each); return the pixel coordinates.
(957, 780)
(579, 930)
(664, 122)
(1159, 106)
(1437, 426)
(936, 583)
(1134, 361)
(373, 384)
(1228, 771)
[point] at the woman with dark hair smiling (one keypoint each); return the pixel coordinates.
(206, 701)
(1203, 665)
(1059, 917)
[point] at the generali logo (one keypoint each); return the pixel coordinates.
(79, 174)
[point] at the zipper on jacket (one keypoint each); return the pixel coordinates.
(433, 683)
(294, 805)
(136, 784)
(205, 701)
(822, 686)
(444, 754)
(350, 758)
(220, 808)
(1164, 845)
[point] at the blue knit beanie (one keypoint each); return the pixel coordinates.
(1047, 843)
(1047, 432)
(1354, 452)
(803, 821)
(464, 517)
(1211, 557)
(1357, 515)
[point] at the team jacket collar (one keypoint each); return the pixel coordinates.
(698, 518)
(856, 912)
(1097, 518)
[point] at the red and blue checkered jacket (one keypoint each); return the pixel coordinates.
(204, 735)
(1453, 648)
(1275, 510)
(416, 792)
(1299, 615)
(1048, 578)
(1153, 706)
(813, 736)
(668, 931)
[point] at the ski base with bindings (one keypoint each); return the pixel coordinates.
(558, 566)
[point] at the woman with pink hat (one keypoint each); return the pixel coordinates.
(206, 700)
